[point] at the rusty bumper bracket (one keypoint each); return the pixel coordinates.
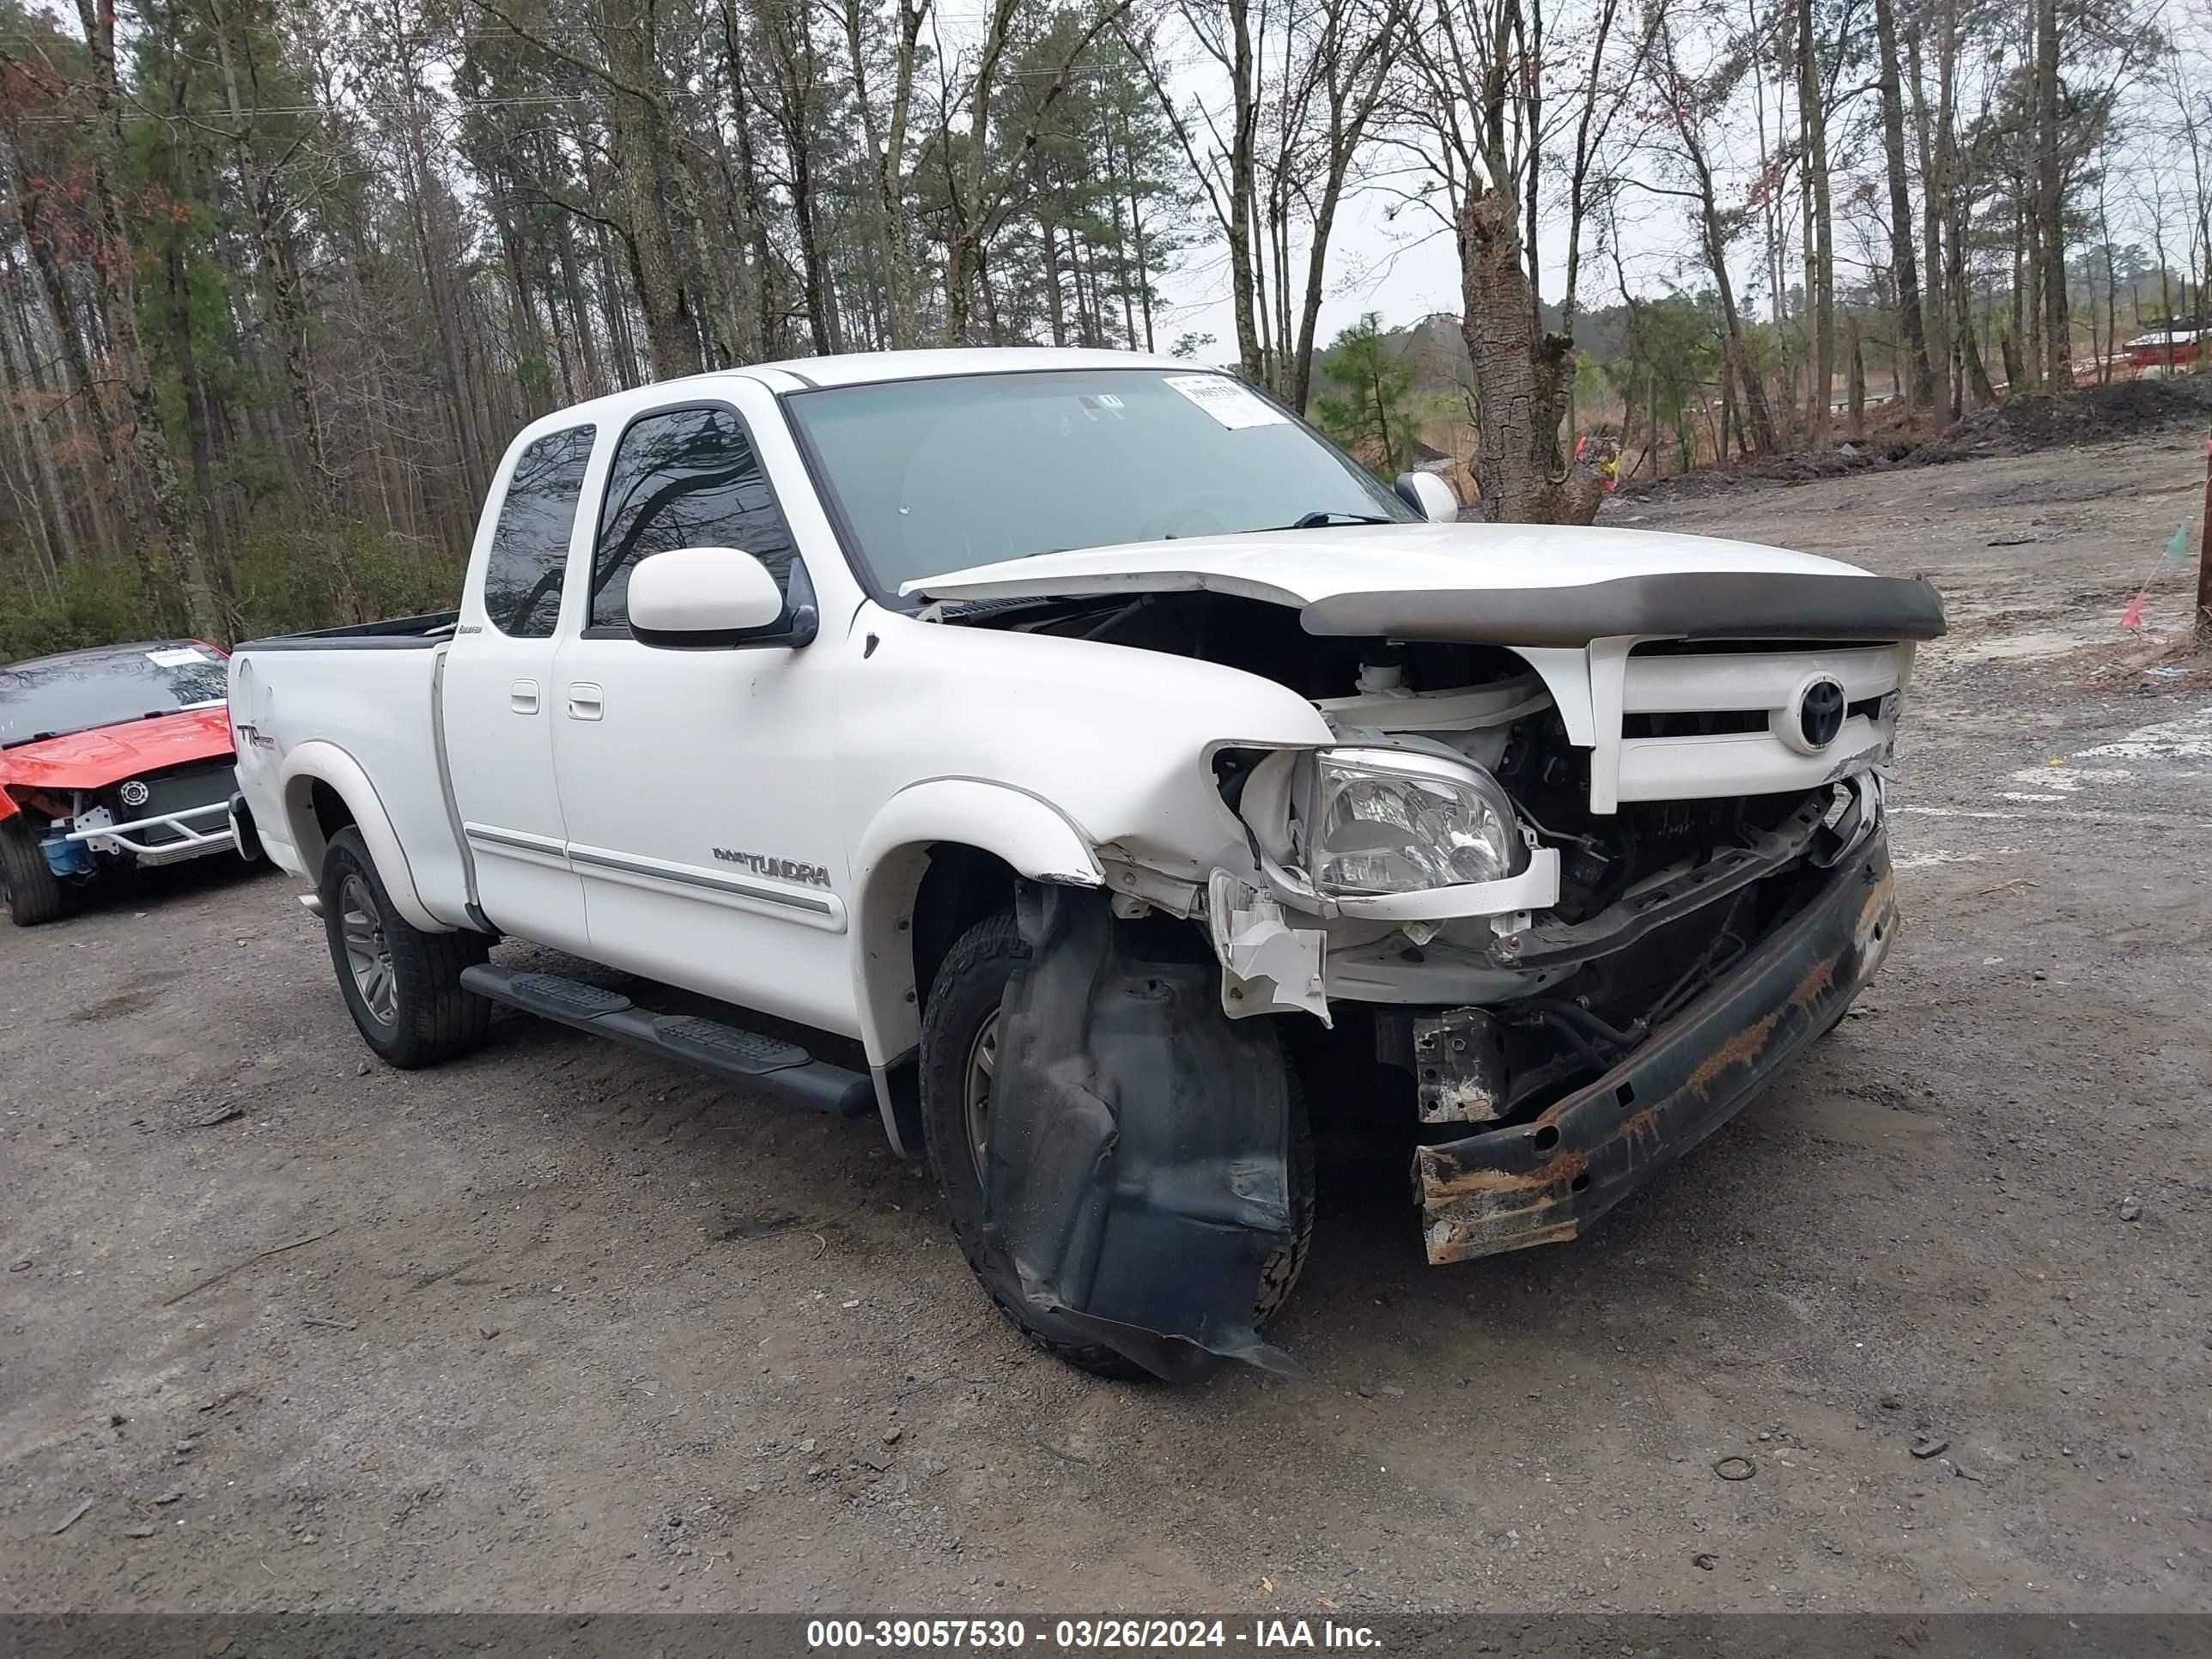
(1546, 1181)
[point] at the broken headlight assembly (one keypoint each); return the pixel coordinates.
(1400, 821)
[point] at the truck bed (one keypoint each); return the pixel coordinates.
(372, 719)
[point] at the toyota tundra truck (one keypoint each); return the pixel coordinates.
(1074, 761)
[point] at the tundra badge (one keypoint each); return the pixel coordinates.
(813, 875)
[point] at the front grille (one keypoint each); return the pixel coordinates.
(179, 790)
(1720, 719)
(1711, 723)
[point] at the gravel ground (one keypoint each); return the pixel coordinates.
(561, 1327)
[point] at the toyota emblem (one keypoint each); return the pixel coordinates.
(1820, 712)
(136, 794)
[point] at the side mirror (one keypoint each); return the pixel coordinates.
(1429, 495)
(705, 596)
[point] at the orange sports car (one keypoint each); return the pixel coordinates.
(110, 758)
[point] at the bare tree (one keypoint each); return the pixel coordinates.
(1475, 107)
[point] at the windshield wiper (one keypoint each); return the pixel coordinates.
(1323, 516)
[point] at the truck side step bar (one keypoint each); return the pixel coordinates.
(749, 1057)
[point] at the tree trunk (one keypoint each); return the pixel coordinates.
(1241, 210)
(1055, 301)
(787, 27)
(891, 175)
(643, 156)
(1520, 379)
(184, 349)
(1931, 141)
(42, 239)
(579, 318)
(1857, 372)
(1909, 311)
(755, 227)
(1651, 443)
(2029, 299)
(1977, 375)
(175, 564)
(1820, 255)
(54, 535)
(2050, 200)
(1734, 360)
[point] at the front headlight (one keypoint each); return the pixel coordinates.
(1394, 821)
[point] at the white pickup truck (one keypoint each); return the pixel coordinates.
(1076, 760)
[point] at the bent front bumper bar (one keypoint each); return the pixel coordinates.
(193, 840)
(1548, 1181)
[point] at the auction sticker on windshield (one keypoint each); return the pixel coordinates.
(179, 657)
(1233, 405)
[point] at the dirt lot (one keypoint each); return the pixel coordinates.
(562, 1327)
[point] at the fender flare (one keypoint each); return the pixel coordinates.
(325, 762)
(1031, 835)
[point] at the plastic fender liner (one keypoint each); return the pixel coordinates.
(1139, 1170)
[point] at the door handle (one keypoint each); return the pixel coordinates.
(586, 702)
(522, 697)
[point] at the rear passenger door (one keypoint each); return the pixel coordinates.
(499, 703)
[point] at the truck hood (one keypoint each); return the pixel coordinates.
(1524, 586)
(1298, 566)
(110, 754)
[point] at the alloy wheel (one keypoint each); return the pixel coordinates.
(368, 955)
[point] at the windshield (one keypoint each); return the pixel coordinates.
(56, 696)
(938, 475)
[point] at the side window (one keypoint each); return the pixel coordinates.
(529, 556)
(687, 478)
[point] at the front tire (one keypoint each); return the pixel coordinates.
(402, 986)
(958, 1051)
(35, 891)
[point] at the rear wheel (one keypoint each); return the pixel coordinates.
(35, 891)
(960, 1051)
(402, 986)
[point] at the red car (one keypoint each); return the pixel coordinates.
(110, 759)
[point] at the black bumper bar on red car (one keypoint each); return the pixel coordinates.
(1544, 1182)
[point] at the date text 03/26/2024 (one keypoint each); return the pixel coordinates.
(988, 1635)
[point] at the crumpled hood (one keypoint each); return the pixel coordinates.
(110, 754)
(1300, 566)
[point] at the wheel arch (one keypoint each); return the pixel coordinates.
(938, 858)
(324, 789)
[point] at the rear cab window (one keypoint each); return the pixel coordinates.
(528, 562)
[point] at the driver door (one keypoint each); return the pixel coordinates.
(697, 783)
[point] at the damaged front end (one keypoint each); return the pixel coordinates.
(1545, 1179)
(1556, 910)
(1566, 963)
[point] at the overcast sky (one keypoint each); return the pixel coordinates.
(1406, 270)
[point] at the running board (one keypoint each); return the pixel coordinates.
(764, 1062)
